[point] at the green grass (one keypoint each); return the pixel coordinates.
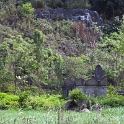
(107, 116)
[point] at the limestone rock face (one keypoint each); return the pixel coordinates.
(85, 15)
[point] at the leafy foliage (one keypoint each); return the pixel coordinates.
(75, 65)
(23, 96)
(113, 101)
(27, 9)
(46, 102)
(8, 101)
(111, 26)
(29, 58)
(25, 101)
(77, 95)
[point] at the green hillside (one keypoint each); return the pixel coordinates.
(37, 54)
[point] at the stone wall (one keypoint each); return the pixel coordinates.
(96, 85)
(94, 90)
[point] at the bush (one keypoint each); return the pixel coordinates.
(111, 90)
(77, 95)
(111, 26)
(8, 101)
(25, 101)
(23, 97)
(112, 101)
(91, 101)
(84, 33)
(27, 9)
(45, 102)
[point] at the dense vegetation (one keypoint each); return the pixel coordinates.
(36, 55)
(108, 8)
(26, 101)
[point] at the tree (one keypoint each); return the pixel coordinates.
(5, 74)
(112, 53)
(23, 58)
(27, 13)
(108, 8)
(49, 65)
(18, 57)
(27, 9)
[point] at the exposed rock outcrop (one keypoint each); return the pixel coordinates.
(87, 16)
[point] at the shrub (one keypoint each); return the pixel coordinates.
(85, 34)
(111, 26)
(8, 101)
(111, 90)
(91, 101)
(77, 95)
(22, 99)
(45, 102)
(30, 102)
(112, 101)
(35, 103)
(27, 9)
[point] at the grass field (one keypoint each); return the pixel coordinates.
(107, 116)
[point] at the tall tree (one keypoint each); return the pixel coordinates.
(50, 66)
(108, 8)
(19, 59)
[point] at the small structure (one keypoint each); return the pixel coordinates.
(96, 85)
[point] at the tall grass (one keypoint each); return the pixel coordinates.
(107, 116)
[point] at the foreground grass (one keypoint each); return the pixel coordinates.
(107, 116)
